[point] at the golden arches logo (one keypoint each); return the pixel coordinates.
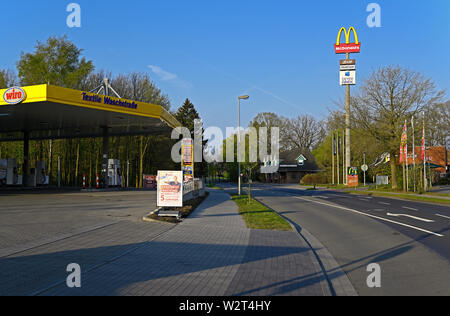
(347, 47)
(347, 35)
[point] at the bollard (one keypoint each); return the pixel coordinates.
(84, 181)
(97, 179)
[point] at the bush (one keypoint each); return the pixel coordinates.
(444, 181)
(314, 178)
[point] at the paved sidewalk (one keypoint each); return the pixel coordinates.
(210, 253)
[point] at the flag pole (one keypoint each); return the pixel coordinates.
(414, 153)
(332, 158)
(424, 155)
(406, 160)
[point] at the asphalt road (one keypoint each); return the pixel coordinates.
(409, 240)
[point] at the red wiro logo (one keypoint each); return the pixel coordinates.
(14, 95)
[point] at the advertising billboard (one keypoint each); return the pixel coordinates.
(170, 189)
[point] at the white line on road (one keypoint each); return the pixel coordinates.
(384, 203)
(373, 216)
(413, 217)
(443, 216)
(410, 208)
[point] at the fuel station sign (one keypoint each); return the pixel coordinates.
(14, 95)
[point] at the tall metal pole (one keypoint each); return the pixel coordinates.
(333, 151)
(347, 125)
(239, 146)
(414, 153)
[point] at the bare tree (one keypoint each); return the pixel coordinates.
(390, 96)
(7, 79)
(304, 131)
(437, 119)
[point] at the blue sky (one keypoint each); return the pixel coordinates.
(279, 52)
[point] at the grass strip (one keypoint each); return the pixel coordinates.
(258, 216)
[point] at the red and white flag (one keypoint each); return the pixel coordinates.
(423, 144)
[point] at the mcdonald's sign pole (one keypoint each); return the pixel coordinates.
(347, 78)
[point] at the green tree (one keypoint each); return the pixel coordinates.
(186, 114)
(57, 62)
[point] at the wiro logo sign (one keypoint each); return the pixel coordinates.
(347, 47)
(14, 95)
(258, 145)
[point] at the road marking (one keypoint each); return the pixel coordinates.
(443, 216)
(384, 203)
(373, 216)
(413, 217)
(410, 208)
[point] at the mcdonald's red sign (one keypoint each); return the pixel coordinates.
(347, 47)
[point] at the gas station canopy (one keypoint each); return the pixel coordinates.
(50, 112)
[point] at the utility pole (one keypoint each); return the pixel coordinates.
(347, 124)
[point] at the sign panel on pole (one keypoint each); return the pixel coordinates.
(448, 142)
(353, 181)
(347, 77)
(187, 159)
(170, 189)
(352, 177)
(347, 67)
(344, 62)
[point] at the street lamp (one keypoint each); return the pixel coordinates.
(243, 97)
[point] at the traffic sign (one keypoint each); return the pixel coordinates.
(364, 168)
(448, 142)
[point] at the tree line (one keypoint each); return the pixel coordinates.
(390, 96)
(59, 62)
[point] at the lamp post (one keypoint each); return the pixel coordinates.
(243, 97)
